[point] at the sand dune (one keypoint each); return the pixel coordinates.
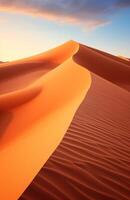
(116, 58)
(104, 65)
(19, 75)
(28, 128)
(38, 100)
(93, 159)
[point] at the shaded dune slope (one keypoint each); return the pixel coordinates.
(116, 58)
(105, 65)
(92, 161)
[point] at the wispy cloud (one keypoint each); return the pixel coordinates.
(91, 13)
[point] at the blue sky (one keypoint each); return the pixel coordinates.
(28, 29)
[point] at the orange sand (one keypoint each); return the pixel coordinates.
(92, 161)
(38, 99)
(28, 130)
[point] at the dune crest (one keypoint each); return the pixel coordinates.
(92, 160)
(124, 58)
(20, 79)
(105, 65)
(29, 127)
(39, 97)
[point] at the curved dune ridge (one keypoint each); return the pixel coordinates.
(38, 100)
(18, 78)
(93, 159)
(35, 100)
(105, 65)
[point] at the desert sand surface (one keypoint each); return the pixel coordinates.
(104, 65)
(36, 110)
(82, 156)
(93, 159)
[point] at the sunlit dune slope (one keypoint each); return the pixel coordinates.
(19, 76)
(105, 65)
(38, 100)
(31, 131)
(93, 160)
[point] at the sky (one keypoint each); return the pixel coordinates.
(29, 27)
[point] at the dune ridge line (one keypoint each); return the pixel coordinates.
(28, 136)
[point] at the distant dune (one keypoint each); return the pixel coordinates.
(38, 100)
(124, 58)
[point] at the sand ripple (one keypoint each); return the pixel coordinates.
(92, 161)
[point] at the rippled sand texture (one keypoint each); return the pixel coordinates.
(39, 97)
(93, 160)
